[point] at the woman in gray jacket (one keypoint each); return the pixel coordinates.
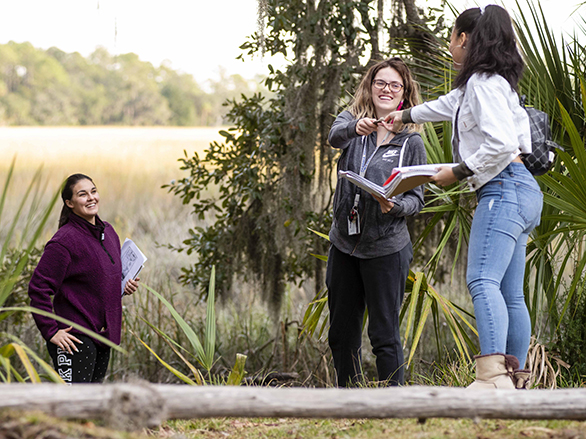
(371, 249)
(491, 129)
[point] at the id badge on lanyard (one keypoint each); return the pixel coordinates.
(354, 216)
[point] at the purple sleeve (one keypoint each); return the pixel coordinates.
(45, 282)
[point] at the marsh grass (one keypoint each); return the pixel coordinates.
(451, 372)
(129, 166)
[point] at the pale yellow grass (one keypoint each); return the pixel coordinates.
(128, 165)
(141, 150)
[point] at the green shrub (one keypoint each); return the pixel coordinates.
(570, 343)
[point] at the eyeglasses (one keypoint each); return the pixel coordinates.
(379, 84)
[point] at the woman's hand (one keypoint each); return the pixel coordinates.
(131, 286)
(445, 176)
(365, 126)
(65, 340)
(394, 120)
(385, 205)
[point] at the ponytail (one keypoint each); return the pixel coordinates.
(67, 194)
(491, 45)
(64, 217)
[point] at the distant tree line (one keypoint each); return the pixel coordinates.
(51, 87)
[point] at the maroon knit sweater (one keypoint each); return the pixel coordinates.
(81, 268)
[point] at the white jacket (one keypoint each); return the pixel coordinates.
(493, 127)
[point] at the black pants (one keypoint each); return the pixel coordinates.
(379, 285)
(89, 365)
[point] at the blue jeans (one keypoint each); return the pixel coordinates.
(509, 207)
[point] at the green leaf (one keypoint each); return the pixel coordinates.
(50, 372)
(419, 330)
(170, 368)
(320, 257)
(237, 372)
(67, 322)
(191, 335)
(210, 334)
(323, 235)
(412, 307)
(175, 347)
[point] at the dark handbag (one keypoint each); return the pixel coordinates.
(541, 159)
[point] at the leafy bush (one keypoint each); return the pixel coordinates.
(570, 343)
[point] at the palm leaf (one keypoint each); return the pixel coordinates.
(6, 185)
(210, 334)
(7, 283)
(313, 313)
(67, 322)
(205, 353)
(323, 235)
(176, 347)
(191, 335)
(6, 377)
(170, 368)
(426, 309)
(237, 373)
(25, 353)
(415, 296)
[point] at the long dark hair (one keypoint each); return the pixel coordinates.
(67, 194)
(491, 46)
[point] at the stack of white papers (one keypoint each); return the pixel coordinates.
(401, 179)
(132, 261)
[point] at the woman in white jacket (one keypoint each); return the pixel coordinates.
(490, 131)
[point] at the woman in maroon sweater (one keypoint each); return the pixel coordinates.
(81, 269)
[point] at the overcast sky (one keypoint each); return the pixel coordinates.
(197, 36)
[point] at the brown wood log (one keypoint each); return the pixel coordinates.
(122, 406)
(147, 405)
(405, 402)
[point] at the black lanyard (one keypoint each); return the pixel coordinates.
(364, 163)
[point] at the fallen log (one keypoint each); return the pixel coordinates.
(121, 406)
(144, 404)
(405, 402)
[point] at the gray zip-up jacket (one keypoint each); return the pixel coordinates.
(381, 234)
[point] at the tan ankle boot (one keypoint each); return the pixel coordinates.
(521, 378)
(494, 371)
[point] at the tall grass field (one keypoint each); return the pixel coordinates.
(129, 166)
